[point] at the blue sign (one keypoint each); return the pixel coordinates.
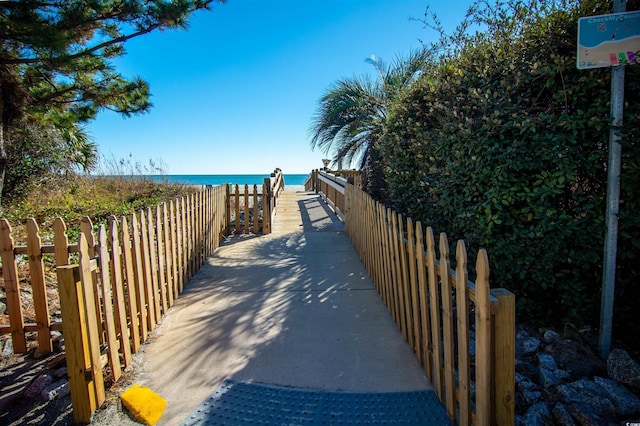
(608, 40)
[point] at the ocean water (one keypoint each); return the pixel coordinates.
(289, 179)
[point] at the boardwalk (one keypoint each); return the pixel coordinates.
(294, 308)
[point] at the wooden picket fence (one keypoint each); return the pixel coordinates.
(439, 311)
(115, 287)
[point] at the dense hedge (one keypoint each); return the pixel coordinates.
(504, 143)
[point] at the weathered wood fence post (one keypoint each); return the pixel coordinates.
(74, 328)
(504, 355)
(266, 206)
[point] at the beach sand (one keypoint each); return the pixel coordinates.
(596, 57)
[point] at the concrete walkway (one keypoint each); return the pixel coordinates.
(294, 308)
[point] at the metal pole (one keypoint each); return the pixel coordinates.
(614, 167)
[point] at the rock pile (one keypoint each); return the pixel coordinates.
(560, 380)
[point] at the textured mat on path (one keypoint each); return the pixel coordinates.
(242, 403)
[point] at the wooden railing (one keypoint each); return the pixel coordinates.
(114, 288)
(432, 305)
(331, 189)
(274, 185)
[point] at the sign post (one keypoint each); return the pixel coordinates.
(603, 41)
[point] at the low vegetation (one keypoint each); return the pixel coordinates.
(98, 197)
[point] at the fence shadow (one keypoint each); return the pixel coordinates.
(294, 309)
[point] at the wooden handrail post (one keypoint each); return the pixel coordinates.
(74, 328)
(504, 354)
(266, 206)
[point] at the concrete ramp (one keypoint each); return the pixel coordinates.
(295, 308)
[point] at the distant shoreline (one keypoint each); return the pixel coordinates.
(234, 179)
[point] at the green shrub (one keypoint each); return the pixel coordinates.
(503, 142)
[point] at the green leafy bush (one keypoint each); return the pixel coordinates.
(503, 142)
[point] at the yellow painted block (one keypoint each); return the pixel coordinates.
(145, 405)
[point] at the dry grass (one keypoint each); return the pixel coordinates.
(75, 197)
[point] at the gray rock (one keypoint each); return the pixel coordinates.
(579, 360)
(587, 416)
(55, 390)
(547, 361)
(587, 393)
(549, 378)
(8, 347)
(3, 308)
(526, 343)
(60, 373)
(519, 421)
(549, 373)
(562, 416)
(626, 403)
(36, 387)
(622, 368)
(538, 415)
(550, 336)
(528, 393)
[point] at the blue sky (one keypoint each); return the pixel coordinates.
(237, 91)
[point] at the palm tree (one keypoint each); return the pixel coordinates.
(352, 114)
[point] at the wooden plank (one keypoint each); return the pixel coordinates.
(388, 250)
(91, 315)
(139, 279)
(227, 206)
(434, 310)
(256, 217)
(384, 268)
(168, 255)
(153, 259)
(504, 354)
(483, 341)
(236, 208)
(413, 280)
(60, 242)
(38, 287)
(12, 288)
(266, 207)
(462, 308)
(208, 222)
(374, 239)
(132, 286)
(404, 281)
(423, 290)
(120, 311)
(246, 209)
(393, 288)
(77, 354)
(448, 336)
(197, 232)
(86, 227)
(161, 259)
(187, 241)
(180, 242)
(146, 265)
(173, 221)
(397, 274)
(200, 233)
(108, 303)
(190, 232)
